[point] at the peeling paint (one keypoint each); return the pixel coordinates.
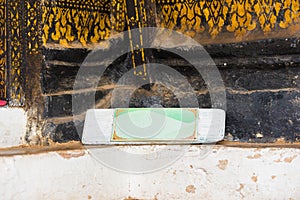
(131, 198)
(278, 160)
(44, 175)
(223, 164)
(240, 190)
(254, 178)
(255, 156)
(190, 189)
(290, 159)
(287, 159)
(72, 154)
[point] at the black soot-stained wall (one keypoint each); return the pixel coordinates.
(254, 44)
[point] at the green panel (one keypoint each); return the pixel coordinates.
(155, 124)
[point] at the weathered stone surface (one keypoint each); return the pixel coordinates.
(63, 132)
(61, 106)
(264, 116)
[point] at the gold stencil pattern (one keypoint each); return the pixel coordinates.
(241, 17)
(87, 22)
(15, 30)
(66, 21)
(118, 12)
(32, 25)
(2, 49)
(185, 17)
(236, 16)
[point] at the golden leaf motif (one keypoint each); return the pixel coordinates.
(184, 17)
(267, 12)
(241, 18)
(83, 21)
(291, 9)
(68, 21)
(215, 14)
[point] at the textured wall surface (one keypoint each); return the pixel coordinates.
(12, 127)
(225, 173)
(261, 81)
(255, 44)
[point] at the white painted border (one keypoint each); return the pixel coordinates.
(12, 126)
(99, 124)
(226, 173)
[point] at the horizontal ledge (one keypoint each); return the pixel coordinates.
(277, 144)
(77, 146)
(222, 63)
(202, 92)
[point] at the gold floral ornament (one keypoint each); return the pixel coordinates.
(101, 32)
(183, 16)
(190, 17)
(215, 14)
(267, 12)
(2, 49)
(63, 29)
(32, 26)
(15, 53)
(71, 21)
(117, 16)
(241, 18)
(291, 13)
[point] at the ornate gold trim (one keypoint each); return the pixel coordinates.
(15, 52)
(2, 49)
(67, 21)
(33, 26)
(235, 16)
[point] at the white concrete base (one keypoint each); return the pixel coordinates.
(12, 126)
(226, 173)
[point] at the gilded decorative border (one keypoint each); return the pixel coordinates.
(15, 52)
(236, 16)
(32, 26)
(2, 49)
(87, 22)
(67, 21)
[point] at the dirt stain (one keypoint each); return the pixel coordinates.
(254, 178)
(223, 164)
(255, 156)
(290, 159)
(71, 154)
(131, 198)
(190, 189)
(239, 190)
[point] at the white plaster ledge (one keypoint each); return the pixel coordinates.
(12, 126)
(225, 173)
